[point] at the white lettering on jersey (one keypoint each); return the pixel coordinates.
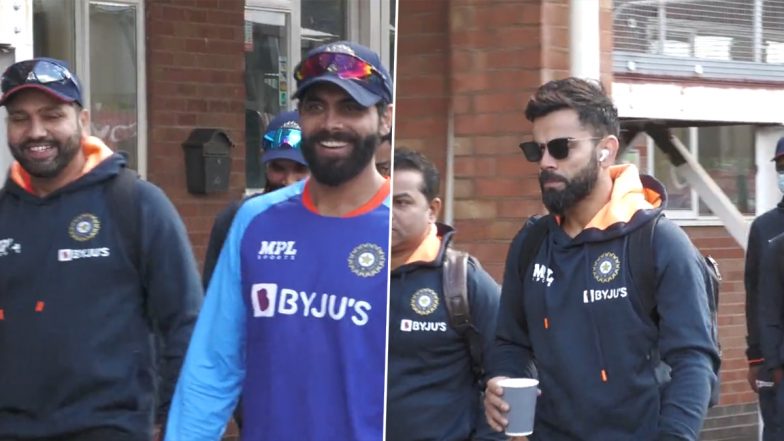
(598, 295)
(407, 325)
(542, 274)
(7, 246)
(277, 249)
(268, 299)
(67, 255)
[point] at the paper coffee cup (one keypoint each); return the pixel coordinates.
(520, 394)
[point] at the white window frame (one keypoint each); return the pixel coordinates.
(83, 62)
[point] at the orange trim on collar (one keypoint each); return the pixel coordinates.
(95, 152)
(427, 251)
(627, 197)
(370, 205)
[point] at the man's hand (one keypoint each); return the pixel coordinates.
(495, 406)
(752, 376)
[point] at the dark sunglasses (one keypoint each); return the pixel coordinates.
(558, 148)
(280, 138)
(34, 72)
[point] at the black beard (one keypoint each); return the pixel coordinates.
(269, 187)
(576, 189)
(65, 154)
(334, 172)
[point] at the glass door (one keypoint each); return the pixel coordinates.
(267, 64)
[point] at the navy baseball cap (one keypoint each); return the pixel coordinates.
(351, 66)
(283, 139)
(779, 149)
(45, 74)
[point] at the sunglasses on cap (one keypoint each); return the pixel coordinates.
(283, 137)
(35, 72)
(558, 148)
(345, 66)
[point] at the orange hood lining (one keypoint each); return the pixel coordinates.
(628, 196)
(95, 152)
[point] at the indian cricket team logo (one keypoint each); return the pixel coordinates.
(424, 301)
(606, 267)
(366, 260)
(84, 227)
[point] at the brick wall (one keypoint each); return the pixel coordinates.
(486, 57)
(195, 66)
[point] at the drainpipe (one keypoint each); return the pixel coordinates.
(449, 178)
(584, 31)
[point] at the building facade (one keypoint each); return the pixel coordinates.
(710, 72)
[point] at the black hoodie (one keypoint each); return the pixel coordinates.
(431, 390)
(76, 318)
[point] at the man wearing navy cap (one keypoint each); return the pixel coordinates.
(295, 313)
(92, 262)
(762, 288)
(283, 164)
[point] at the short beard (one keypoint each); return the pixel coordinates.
(334, 172)
(65, 154)
(576, 189)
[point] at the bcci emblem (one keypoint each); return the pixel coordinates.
(424, 301)
(606, 267)
(84, 227)
(366, 260)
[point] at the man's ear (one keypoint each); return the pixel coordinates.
(612, 145)
(84, 120)
(385, 120)
(435, 209)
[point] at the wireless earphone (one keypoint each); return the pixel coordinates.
(603, 154)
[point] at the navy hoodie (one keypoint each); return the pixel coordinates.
(76, 319)
(575, 321)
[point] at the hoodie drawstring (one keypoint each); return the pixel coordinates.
(596, 340)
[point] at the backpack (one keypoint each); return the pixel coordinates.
(124, 208)
(641, 263)
(455, 288)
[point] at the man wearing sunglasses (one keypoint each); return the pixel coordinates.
(572, 316)
(92, 262)
(295, 314)
(283, 165)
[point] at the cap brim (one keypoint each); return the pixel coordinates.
(290, 154)
(42, 88)
(359, 93)
(777, 156)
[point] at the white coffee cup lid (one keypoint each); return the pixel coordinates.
(518, 382)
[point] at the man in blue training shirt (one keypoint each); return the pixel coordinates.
(295, 316)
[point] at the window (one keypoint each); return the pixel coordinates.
(103, 43)
(727, 153)
(266, 83)
(323, 21)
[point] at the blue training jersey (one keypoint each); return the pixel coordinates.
(295, 319)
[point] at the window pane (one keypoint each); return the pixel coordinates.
(678, 190)
(727, 153)
(113, 66)
(266, 74)
(323, 21)
(54, 30)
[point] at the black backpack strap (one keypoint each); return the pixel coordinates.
(455, 288)
(123, 205)
(532, 242)
(643, 266)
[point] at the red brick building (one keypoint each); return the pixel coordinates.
(467, 67)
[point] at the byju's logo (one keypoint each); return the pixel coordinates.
(67, 255)
(268, 300)
(8, 246)
(542, 274)
(407, 325)
(598, 295)
(263, 298)
(277, 250)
